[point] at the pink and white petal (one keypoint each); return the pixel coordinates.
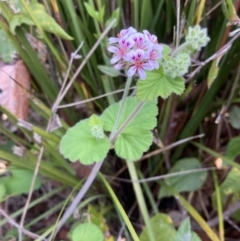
(113, 40)
(115, 59)
(141, 73)
(154, 63)
(147, 66)
(159, 47)
(113, 49)
(119, 66)
(132, 71)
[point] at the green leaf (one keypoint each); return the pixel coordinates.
(157, 84)
(162, 227)
(233, 149)
(93, 13)
(234, 117)
(184, 232)
(115, 15)
(137, 137)
(186, 182)
(108, 70)
(86, 232)
(19, 182)
(45, 21)
(7, 50)
(79, 144)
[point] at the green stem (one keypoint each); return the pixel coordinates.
(140, 198)
(219, 206)
(120, 208)
(181, 48)
(125, 93)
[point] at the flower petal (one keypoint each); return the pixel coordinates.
(132, 70)
(113, 49)
(141, 73)
(115, 59)
(113, 40)
(147, 66)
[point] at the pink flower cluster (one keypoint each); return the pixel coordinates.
(135, 51)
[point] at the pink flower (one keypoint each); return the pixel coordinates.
(149, 37)
(137, 63)
(152, 55)
(123, 34)
(139, 40)
(120, 51)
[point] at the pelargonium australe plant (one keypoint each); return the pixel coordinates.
(126, 126)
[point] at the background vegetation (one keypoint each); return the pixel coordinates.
(65, 42)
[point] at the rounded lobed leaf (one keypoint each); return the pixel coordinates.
(86, 232)
(158, 84)
(79, 144)
(186, 182)
(136, 137)
(162, 227)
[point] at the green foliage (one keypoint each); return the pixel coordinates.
(158, 84)
(233, 149)
(184, 232)
(79, 144)
(234, 117)
(136, 138)
(98, 15)
(185, 182)
(197, 37)
(19, 182)
(176, 66)
(7, 50)
(86, 232)
(39, 13)
(163, 229)
(108, 70)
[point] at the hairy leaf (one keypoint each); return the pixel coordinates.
(79, 144)
(158, 84)
(137, 137)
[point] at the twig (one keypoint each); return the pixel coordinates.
(226, 214)
(178, 24)
(157, 178)
(17, 226)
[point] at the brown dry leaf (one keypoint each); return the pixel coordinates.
(14, 94)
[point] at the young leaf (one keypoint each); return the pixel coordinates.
(86, 232)
(186, 182)
(162, 227)
(93, 13)
(158, 84)
(42, 17)
(79, 144)
(137, 136)
(234, 117)
(184, 232)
